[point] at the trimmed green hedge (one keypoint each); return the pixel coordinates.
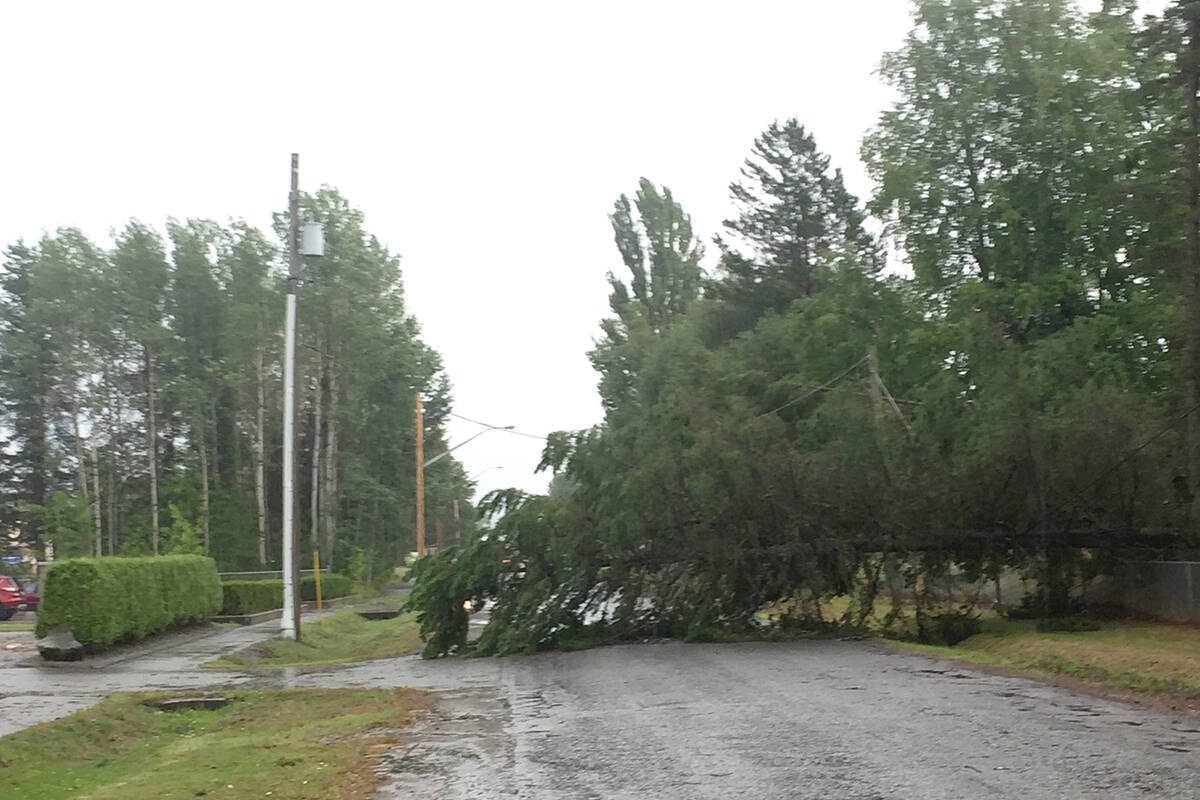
(106, 600)
(250, 597)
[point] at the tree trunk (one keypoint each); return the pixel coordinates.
(316, 483)
(80, 456)
(204, 485)
(115, 412)
(151, 450)
(329, 494)
(96, 502)
(260, 491)
(112, 503)
(215, 459)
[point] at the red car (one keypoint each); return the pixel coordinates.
(30, 590)
(13, 598)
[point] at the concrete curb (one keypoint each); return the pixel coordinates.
(158, 642)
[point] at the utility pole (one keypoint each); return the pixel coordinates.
(420, 478)
(437, 526)
(313, 245)
(876, 382)
(457, 526)
(291, 609)
(879, 390)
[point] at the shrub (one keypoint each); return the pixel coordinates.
(332, 585)
(251, 597)
(106, 600)
(1037, 606)
(947, 629)
(182, 538)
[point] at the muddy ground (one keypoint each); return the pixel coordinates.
(815, 719)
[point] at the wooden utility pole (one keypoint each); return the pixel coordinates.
(879, 390)
(420, 478)
(437, 526)
(876, 383)
(1191, 266)
(457, 526)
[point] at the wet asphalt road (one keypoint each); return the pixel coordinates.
(821, 719)
(800, 720)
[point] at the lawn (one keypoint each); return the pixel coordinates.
(291, 743)
(338, 639)
(1138, 656)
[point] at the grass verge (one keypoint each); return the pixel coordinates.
(15, 626)
(1135, 656)
(1144, 657)
(338, 639)
(289, 743)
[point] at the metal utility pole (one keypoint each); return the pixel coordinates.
(313, 245)
(291, 608)
(420, 478)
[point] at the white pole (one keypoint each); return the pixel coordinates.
(289, 400)
(290, 614)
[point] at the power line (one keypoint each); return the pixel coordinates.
(497, 427)
(1174, 421)
(811, 392)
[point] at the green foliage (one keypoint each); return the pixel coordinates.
(1018, 403)
(181, 536)
(948, 628)
(356, 565)
(107, 600)
(443, 582)
(66, 521)
(251, 597)
(93, 340)
(796, 224)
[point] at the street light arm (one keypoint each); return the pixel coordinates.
(484, 472)
(442, 455)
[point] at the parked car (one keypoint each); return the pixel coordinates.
(32, 596)
(12, 599)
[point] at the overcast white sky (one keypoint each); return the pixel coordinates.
(485, 142)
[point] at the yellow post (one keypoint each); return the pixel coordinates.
(317, 578)
(420, 478)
